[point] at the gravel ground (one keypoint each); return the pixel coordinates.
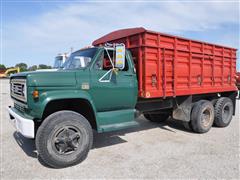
(147, 151)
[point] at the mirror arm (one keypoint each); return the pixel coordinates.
(110, 59)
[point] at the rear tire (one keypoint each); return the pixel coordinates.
(161, 117)
(223, 112)
(214, 101)
(202, 116)
(64, 139)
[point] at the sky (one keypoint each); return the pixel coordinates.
(34, 32)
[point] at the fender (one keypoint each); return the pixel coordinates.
(48, 96)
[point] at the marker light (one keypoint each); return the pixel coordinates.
(35, 94)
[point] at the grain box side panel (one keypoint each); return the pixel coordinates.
(152, 74)
(173, 66)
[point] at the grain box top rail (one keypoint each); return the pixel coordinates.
(132, 31)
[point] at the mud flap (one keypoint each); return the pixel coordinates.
(182, 108)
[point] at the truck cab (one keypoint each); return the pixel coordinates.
(89, 88)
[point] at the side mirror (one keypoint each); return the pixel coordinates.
(120, 56)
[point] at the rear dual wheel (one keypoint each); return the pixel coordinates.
(205, 113)
(223, 112)
(202, 116)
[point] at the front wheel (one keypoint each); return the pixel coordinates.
(64, 139)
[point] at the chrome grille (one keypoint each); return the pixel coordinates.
(19, 107)
(19, 89)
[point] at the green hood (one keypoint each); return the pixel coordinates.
(49, 78)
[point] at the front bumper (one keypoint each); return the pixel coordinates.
(23, 125)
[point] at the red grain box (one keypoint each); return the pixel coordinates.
(169, 66)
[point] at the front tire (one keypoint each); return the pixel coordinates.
(64, 139)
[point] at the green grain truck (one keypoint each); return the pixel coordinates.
(104, 87)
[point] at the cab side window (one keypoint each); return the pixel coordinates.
(104, 63)
(98, 63)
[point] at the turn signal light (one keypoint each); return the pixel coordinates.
(35, 94)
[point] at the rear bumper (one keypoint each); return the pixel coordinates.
(23, 125)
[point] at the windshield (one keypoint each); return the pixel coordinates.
(80, 59)
(58, 62)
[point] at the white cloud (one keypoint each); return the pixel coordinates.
(80, 23)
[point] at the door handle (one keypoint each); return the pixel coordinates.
(128, 74)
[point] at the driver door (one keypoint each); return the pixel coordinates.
(120, 92)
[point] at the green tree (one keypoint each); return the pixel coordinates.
(32, 68)
(43, 66)
(2, 66)
(22, 66)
